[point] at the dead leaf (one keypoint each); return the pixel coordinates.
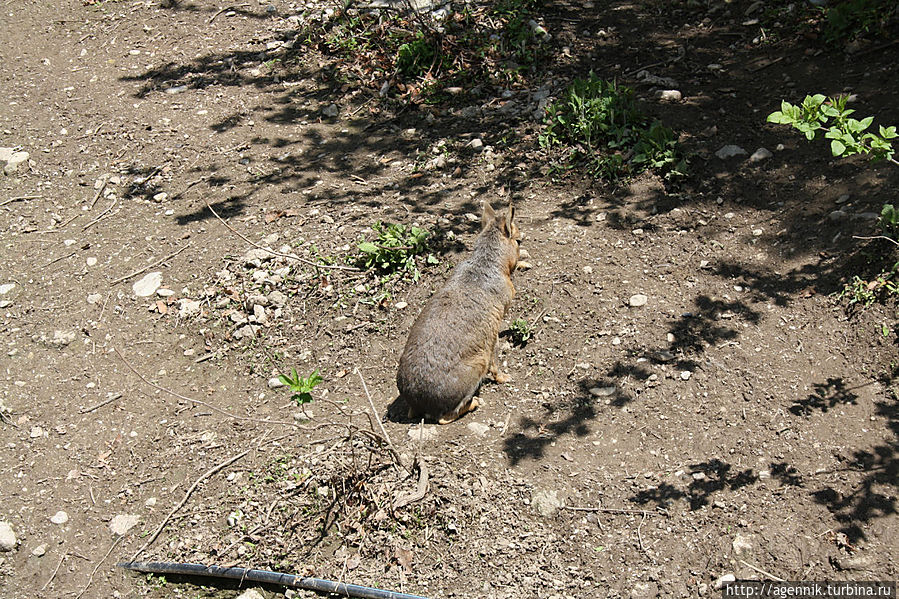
(353, 562)
(404, 557)
(162, 307)
(271, 217)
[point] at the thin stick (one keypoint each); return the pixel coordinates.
(100, 405)
(762, 572)
(52, 576)
(201, 402)
(97, 195)
(374, 412)
(227, 8)
(273, 252)
(890, 239)
(100, 217)
(149, 266)
(187, 495)
(19, 199)
(611, 510)
(55, 260)
(97, 567)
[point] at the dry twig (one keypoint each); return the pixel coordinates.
(187, 495)
(273, 252)
(97, 567)
(149, 266)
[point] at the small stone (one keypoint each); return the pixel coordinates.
(719, 583)
(7, 537)
(251, 594)
(164, 292)
(669, 95)
(843, 198)
(547, 503)
(603, 391)
(757, 232)
(685, 375)
(94, 298)
(427, 433)
(730, 151)
(160, 197)
(837, 216)
(663, 355)
(148, 285)
(476, 144)
(36, 432)
(122, 523)
(276, 383)
(59, 517)
(277, 298)
(764, 474)
(91, 261)
(638, 300)
(62, 338)
(855, 562)
(188, 308)
(400, 305)
(703, 264)
(700, 476)
(616, 340)
(331, 110)
(255, 256)
(741, 545)
(6, 288)
(259, 314)
(478, 428)
(12, 164)
(150, 502)
(40, 550)
(760, 154)
(471, 217)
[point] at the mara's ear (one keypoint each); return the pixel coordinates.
(508, 227)
(488, 216)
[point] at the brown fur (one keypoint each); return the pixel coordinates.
(452, 344)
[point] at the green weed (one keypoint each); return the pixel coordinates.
(395, 250)
(520, 331)
(848, 135)
(301, 387)
(851, 19)
(598, 123)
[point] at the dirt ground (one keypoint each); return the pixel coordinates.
(742, 421)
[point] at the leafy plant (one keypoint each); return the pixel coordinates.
(395, 249)
(889, 221)
(520, 331)
(416, 57)
(850, 19)
(848, 135)
(599, 122)
(301, 387)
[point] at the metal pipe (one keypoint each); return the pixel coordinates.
(265, 576)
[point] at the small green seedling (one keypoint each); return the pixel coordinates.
(889, 221)
(395, 249)
(520, 331)
(301, 387)
(847, 135)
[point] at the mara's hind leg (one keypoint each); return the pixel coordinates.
(465, 407)
(498, 376)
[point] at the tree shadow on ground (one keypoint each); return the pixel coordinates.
(826, 396)
(875, 494)
(706, 479)
(535, 435)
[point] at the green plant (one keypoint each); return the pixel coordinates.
(889, 221)
(850, 19)
(847, 135)
(860, 291)
(301, 387)
(520, 331)
(395, 249)
(599, 123)
(416, 57)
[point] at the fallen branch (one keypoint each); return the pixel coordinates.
(187, 495)
(762, 572)
(420, 491)
(19, 199)
(890, 239)
(273, 252)
(52, 576)
(101, 216)
(149, 266)
(100, 405)
(97, 567)
(612, 510)
(201, 402)
(393, 451)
